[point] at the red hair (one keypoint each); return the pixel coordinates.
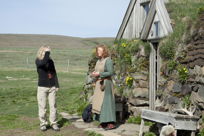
(105, 51)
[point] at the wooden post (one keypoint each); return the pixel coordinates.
(27, 62)
(175, 132)
(141, 127)
(152, 78)
(159, 62)
(192, 133)
(68, 65)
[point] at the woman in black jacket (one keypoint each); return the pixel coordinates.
(47, 87)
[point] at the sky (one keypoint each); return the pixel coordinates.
(78, 18)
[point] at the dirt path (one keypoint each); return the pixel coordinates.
(71, 125)
(121, 130)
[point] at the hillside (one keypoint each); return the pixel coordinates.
(30, 40)
(18, 51)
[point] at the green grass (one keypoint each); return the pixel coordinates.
(149, 134)
(183, 14)
(92, 133)
(134, 120)
(137, 120)
(18, 90)
(14, 121)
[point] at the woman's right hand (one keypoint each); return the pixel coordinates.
(95, 74)
(47, 49)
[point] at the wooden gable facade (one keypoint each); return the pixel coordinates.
(147, 20)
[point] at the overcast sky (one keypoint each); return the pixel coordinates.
(80, 18)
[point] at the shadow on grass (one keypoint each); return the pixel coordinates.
(63, 122)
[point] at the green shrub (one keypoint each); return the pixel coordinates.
(167, 50)
(186, 101)
(148, 123)
(147, 48)
(134, 120)
(124, 50)
(134, 47)
(201, 133)
(200, 10)
(122, 58)
(171, 65)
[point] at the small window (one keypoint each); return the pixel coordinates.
(157, 28)
(146, 7)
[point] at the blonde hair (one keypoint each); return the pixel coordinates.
(41, 52)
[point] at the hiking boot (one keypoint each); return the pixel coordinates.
(43, 128)
(55, 127)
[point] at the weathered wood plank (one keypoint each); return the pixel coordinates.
(152, 78)
(185, 124)
(126, 19)
(192, 133)
(141, 127)
(180, 122)
(157, 117)
(164, 17)
(148, 22)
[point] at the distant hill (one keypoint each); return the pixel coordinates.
(58, 41)
(19, 50)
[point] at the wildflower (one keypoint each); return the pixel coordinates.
(124, 45)
(185, 70)
(183, 74)
(129, 81)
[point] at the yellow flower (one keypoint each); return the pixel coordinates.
(185, 70)
(124, 45)
(128, 80)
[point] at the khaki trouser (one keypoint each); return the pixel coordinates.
(42, 94)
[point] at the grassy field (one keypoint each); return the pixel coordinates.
(18, 81)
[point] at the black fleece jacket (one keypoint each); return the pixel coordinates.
(47, 76)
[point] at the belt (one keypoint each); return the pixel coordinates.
(107, 78)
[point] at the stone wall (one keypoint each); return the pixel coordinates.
(176, 94)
